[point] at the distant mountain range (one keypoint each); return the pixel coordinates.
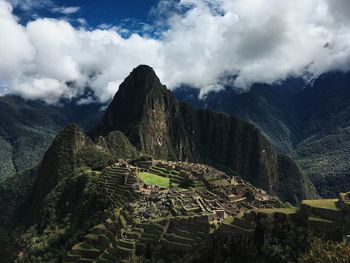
(310, 122)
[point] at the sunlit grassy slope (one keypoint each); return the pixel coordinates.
(153, 179)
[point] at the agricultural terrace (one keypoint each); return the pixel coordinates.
(322, 203)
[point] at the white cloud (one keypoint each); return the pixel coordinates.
(16, 50)
(45, 88)
(257, 40)
(66, 10)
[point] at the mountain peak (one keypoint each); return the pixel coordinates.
(143, 69)
(142, 79)
(140, 93)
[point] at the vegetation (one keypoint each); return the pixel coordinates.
(153, 179)
(93, 157)
(187, 183)
(309, 122)
(14, 194)
(74, 205)
(324, 159)
(293, 188)
(141, 158)
(326, 252)
(118, 145)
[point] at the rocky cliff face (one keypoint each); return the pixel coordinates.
(157, 124)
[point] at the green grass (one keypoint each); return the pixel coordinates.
(322, 203)
(153, 179)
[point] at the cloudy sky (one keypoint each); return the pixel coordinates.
(45, 44)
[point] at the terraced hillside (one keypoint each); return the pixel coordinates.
(176, 177)
(116, 183)
(170, 222)
(178, 221)
(327, 218)
(283, 234)
(120, 239)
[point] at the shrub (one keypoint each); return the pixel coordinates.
(94, 157)
(326, 252)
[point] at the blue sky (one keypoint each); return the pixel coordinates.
(95, 12)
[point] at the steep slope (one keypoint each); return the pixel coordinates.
(145, 111)
(323, 153)
(325, 160)
(27, 127)
(310, 123)
(64, 200)
(45, 210)
(271, 108)
(59, 161)
(157, 124)
(325, 105)
(72, 149)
